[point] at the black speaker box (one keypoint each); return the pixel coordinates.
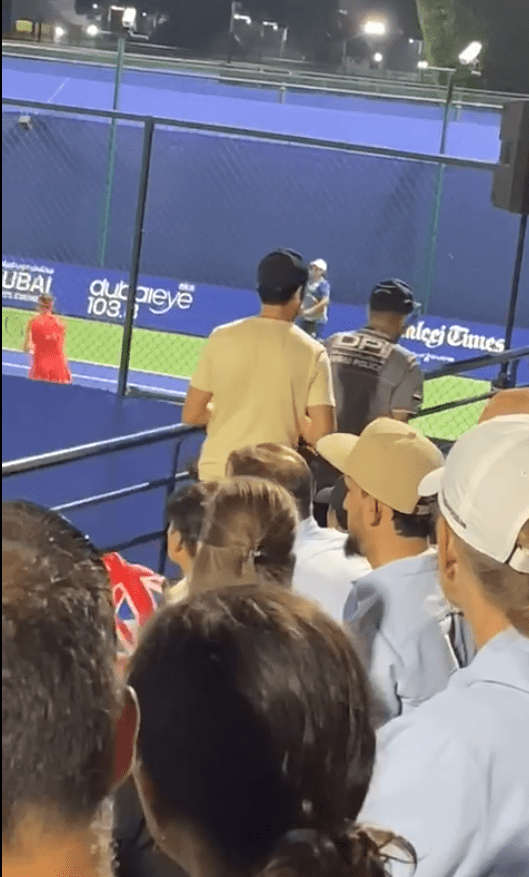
(510, 186)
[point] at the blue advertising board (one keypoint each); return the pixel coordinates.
(169, 305)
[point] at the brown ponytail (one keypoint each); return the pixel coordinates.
(354, 851)
(247, 536)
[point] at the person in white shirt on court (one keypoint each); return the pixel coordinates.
(454, 774)
(408, 635)
(322, 571)
(262, 379)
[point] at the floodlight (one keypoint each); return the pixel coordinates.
(472, 52)
(375, 28)
(59, 32)
(378, 57)
(423, 65)
(129, 16)
(92, 30)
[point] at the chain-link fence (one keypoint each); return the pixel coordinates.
(453, 402)
(64, 227)
(215, 201)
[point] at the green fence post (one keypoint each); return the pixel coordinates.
(111, 162)
(433, 231)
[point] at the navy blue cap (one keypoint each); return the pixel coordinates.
(392, 296)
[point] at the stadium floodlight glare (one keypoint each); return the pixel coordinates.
(92, 30)
(375, 27)
(472, 52)
(423, 65)
(271, 24)
(129, 16)
(59, 32)
(378, 57)
(245, 18)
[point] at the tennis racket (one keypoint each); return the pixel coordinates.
(15, 327)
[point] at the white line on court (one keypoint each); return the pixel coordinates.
(143, 371)
(94, 379)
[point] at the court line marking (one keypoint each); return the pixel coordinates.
(143, 371)
(55, 93)
(95, 379)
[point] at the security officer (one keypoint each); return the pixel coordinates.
(373, 375)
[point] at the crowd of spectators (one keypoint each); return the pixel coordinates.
(347, 700)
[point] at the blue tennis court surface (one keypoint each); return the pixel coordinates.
(414, 126)
(102, 377)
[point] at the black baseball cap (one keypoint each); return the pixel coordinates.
(334, 497)
(280, 274)
(392, 296)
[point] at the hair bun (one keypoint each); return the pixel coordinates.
(354, 850)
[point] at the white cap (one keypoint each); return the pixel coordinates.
(321, 264)
(483, 490)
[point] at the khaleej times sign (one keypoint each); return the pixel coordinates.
(196, 309)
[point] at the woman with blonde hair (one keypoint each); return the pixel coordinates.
(247, 536)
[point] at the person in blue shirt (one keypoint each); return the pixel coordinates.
(322, 570)
(315, 304)
(407, 632)
(454, 774)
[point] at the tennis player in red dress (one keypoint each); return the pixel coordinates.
(44, 340)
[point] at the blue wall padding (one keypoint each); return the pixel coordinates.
(43, 417)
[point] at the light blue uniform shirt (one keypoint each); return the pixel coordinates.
(322, 571)
(402, 624)
(315, 291)
(452, 777)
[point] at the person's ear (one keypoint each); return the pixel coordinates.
(126, 735)
(446, 552)
(372, 510)
(174, 544)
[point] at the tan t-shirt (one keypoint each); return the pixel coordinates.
(263, 375)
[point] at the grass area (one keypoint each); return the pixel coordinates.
(167, 353)
(100, 343)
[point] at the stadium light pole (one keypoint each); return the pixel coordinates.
(467, 59)
(372, 27)
(111, 162)
(234, 9)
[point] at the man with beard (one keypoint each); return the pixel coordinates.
(411, 639)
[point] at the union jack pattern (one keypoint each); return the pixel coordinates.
(137, 592)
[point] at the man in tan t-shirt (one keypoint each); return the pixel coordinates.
(262, 379)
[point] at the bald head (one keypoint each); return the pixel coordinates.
(279, 464)
(505, 403)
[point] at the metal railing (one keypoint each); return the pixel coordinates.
(111, 446)
(277, 73)
(466, 409)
